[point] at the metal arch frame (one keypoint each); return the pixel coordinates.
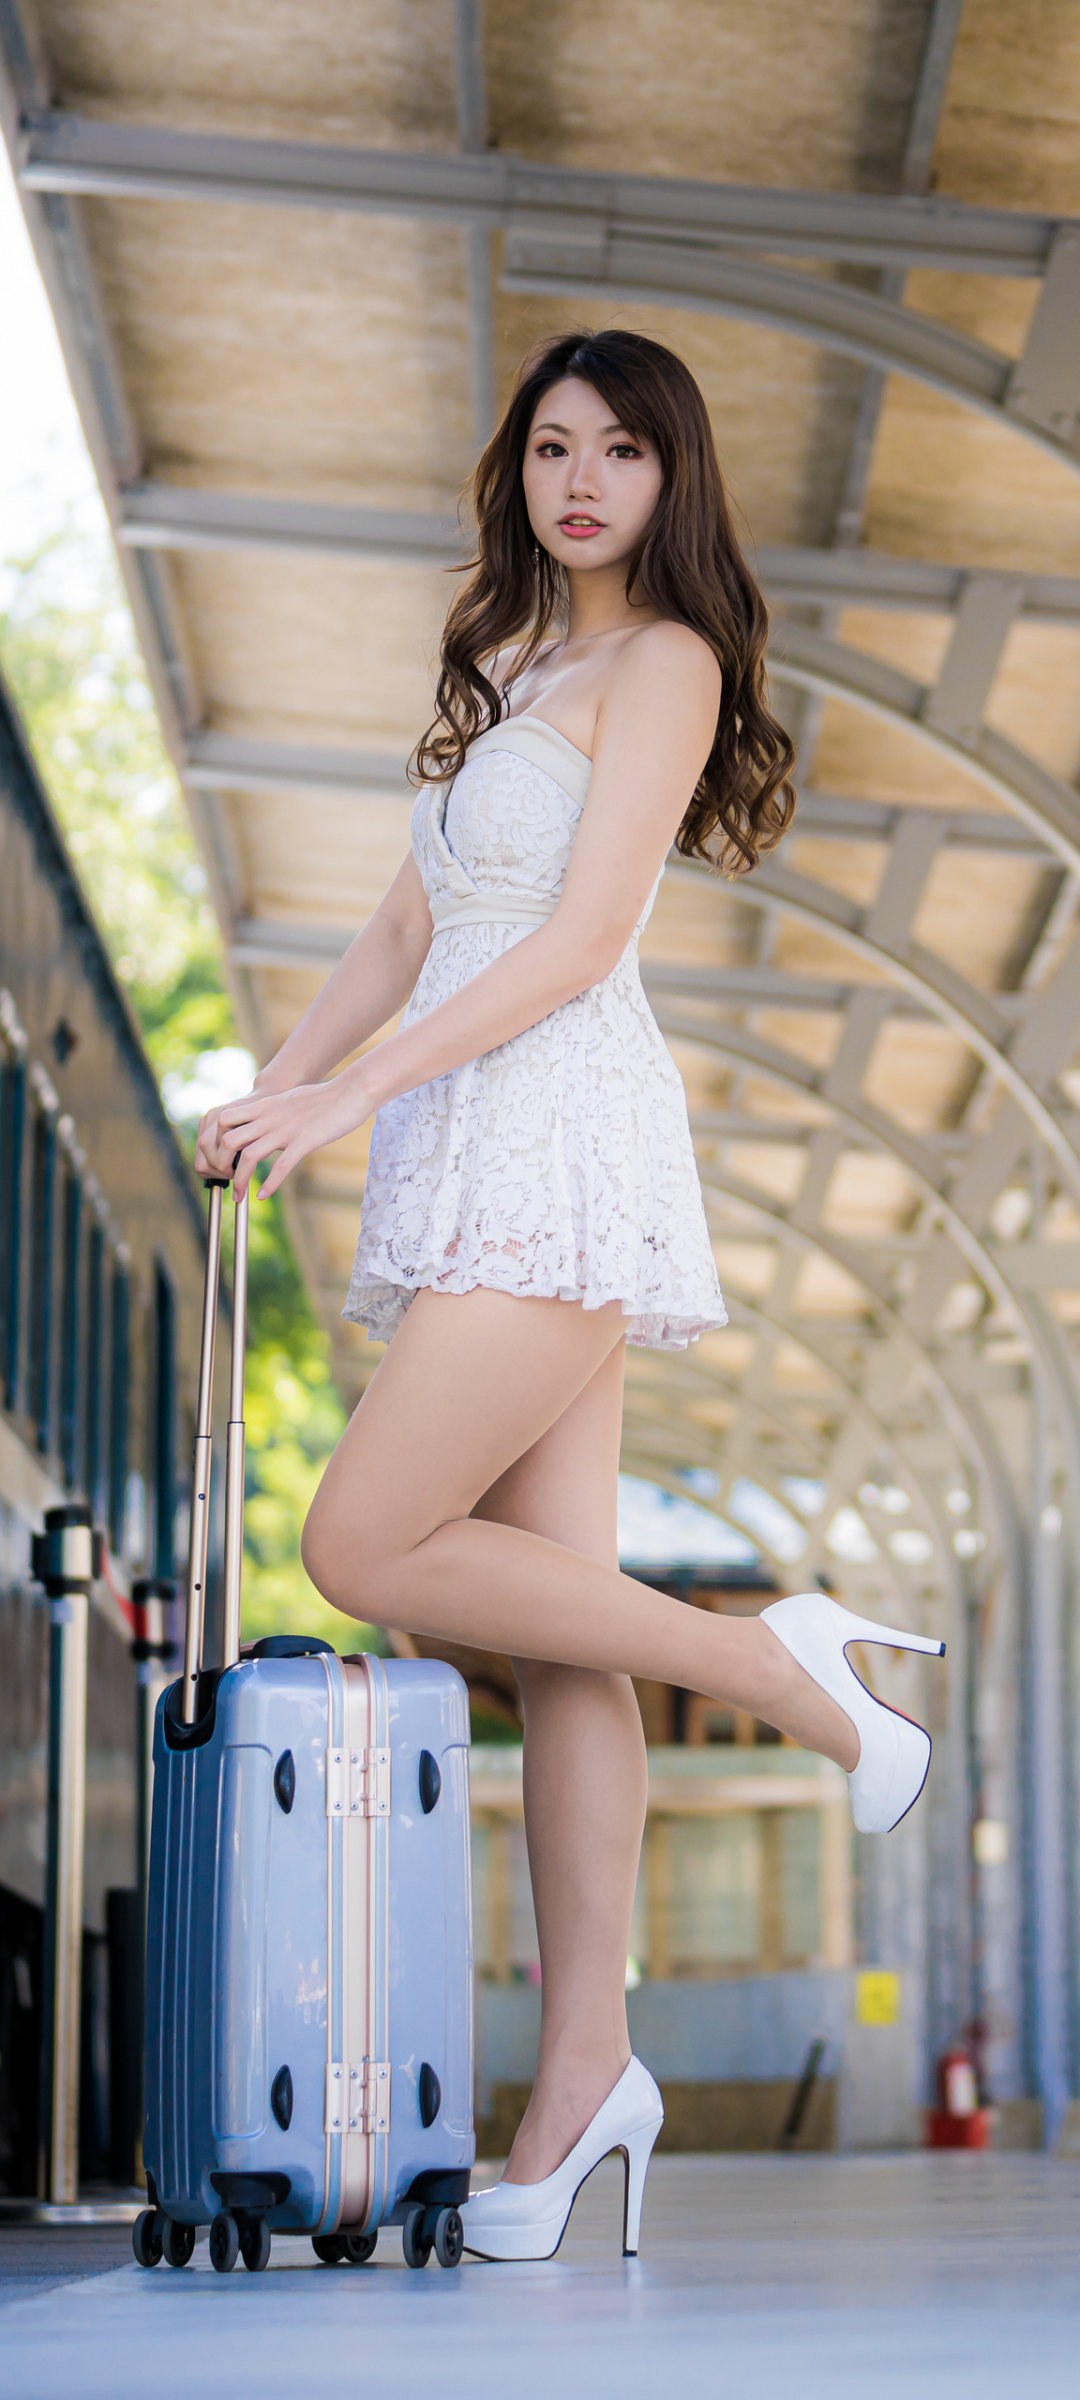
(953, 1406)
(744, 1050)
(972, 1440)
(882, 1568)
(653, 241)
(683, 1373)
(927, 981)
(813, 662)
(771, 1326)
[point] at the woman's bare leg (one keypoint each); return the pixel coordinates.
(586, 1783)
(468, 1385)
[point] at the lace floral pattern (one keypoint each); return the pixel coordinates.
(560, 1164)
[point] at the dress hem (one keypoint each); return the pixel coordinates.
(380, 1306)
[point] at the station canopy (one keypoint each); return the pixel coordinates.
(295, 254)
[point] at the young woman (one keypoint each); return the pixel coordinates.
(532, 1201)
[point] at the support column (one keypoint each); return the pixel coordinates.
(64, 1560)
(1046, 1769)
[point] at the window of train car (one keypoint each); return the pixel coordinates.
(12, 1125)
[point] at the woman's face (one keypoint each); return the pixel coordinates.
(590, 487)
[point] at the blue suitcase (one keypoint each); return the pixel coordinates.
(309, 1941)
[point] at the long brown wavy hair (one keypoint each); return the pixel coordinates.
(688, 567)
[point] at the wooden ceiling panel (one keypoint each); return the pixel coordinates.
(770, 95)
(344, 71)
(302, 649)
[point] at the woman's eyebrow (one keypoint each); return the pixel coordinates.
(549, 426)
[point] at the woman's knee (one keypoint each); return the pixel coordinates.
(344, 1558)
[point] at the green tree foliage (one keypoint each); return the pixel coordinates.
(68, 652)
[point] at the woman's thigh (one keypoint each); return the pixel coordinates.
(566, 1486)
(469, 1385)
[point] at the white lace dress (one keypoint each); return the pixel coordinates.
(560, 1164)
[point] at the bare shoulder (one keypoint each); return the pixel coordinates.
(499, 667)
(667, 652)
(503, 666)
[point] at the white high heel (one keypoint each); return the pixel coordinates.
(894, 1754)
(528, 2220)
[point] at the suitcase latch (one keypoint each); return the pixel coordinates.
(358, 2098)
(358, 1783)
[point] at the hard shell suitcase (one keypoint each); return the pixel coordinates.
(309, 1940)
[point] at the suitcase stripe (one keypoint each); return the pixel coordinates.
(331, 2208)
(379, 1932)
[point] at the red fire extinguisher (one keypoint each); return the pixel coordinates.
(959, 2122)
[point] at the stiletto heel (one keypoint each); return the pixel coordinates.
(637, 2152)
(528, 2220)
(894, 1753)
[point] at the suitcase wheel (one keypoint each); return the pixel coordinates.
(428, 2229)
(224, 2242)
(348, 2249)
(177, 2242)
(416, 2238)
(146, 2236)
(357, 2247)
(449, 2235)
(255, 2244)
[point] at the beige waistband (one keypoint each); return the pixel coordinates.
(489, 908)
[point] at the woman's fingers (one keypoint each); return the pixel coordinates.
(234, 1138)
(286, 1161)
(207, 1143)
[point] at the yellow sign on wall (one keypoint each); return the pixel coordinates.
(877, 1997)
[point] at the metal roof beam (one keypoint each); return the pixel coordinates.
(470, 84)
(853, 578)
(169, 516)
(649, 240)
(772, 987)
(162, 515)
(264, 942)
(244, 762)
(836, 817)
(61, 151)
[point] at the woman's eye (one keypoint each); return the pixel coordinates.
(551, 450)
(625, 450)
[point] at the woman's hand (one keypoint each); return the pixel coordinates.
(232, 1139)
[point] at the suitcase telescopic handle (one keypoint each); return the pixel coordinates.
(198, 1541)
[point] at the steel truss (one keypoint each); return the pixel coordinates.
(650, 240)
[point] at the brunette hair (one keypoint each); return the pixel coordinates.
(688, 566)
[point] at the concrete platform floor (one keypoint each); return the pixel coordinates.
(921, 2276)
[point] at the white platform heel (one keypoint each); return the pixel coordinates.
(894, 1754)
(528, 2220)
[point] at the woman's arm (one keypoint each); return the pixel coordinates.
(370, 984)
(654, 734)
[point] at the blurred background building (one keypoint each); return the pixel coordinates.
(293, 258)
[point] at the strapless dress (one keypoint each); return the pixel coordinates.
(560, 1164)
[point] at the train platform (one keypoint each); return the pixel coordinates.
(826, 2278)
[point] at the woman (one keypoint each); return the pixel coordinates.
(532, 1200)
